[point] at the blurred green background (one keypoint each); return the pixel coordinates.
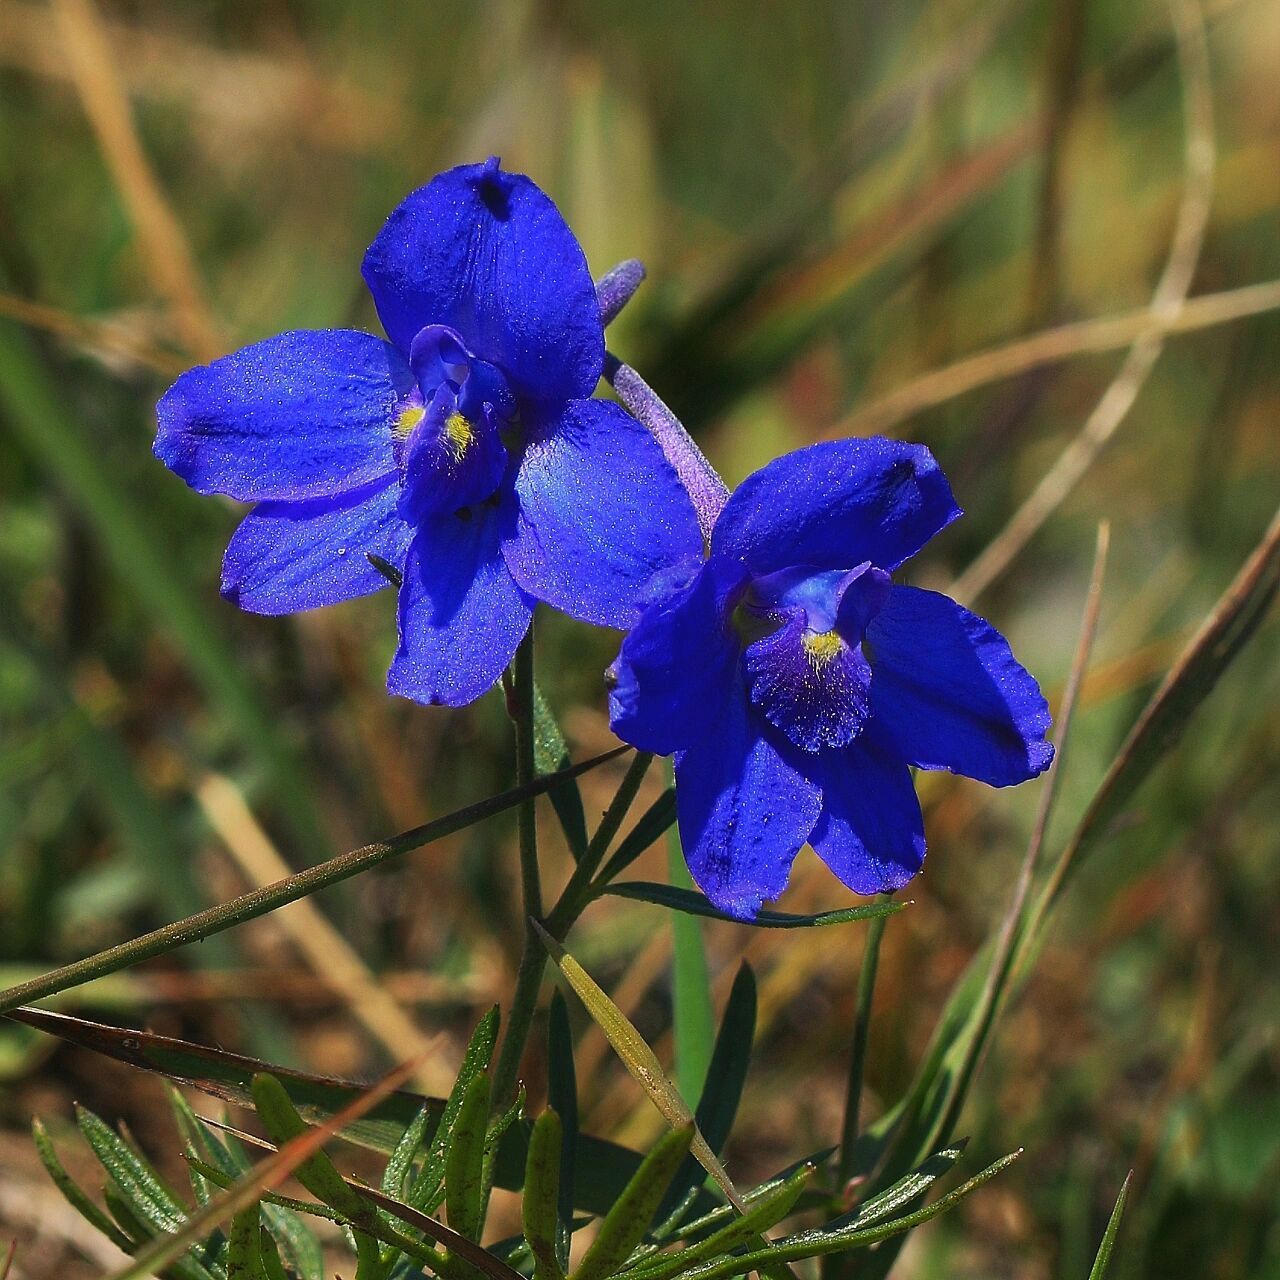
(833, 200)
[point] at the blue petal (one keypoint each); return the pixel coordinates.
(602, 513)
(870, 833)
(744, 809)
(289, 556)
(488, 254)
(678, 663)
(946, 686)
(461, 614)
(836, 504)
(303, 415)
(811, 685)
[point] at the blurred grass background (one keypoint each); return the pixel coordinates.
(833, 200)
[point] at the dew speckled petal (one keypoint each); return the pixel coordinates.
(306, 414)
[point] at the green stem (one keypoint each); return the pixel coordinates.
(579, 891)
(570, 905)
(258, 902)
(858, 1050)
(524, 1001)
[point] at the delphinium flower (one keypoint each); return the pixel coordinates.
(465, 452)
(796, 683)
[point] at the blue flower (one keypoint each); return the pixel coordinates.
(796, 683)
(466, 450)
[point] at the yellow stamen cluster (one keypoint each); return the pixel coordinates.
(459, 433)
(822, 646)
(408, 419)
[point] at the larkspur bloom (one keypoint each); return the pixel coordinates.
(796, 683)
(465, 451)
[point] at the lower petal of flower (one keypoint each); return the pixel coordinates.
(289, 556)
(870, 832)
(462, 615)
(812, 685)
(744, 809)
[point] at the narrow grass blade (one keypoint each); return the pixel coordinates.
(652, 825)
(1103, 1261)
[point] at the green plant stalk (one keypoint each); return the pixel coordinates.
(858, 1048)
(249, 906)
(580, 890)
(524, 1000)
(577, 894)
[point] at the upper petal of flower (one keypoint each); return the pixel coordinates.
(602, 512)
(950, 692)
(870, 833)
(461, 614)
(836, 504)
(679, 663)
(745, 809)
(487, 253)
(289, 556)
(306, 414)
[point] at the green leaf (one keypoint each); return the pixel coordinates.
(317, 1172)
(550, 755)
(540, 1206)
(638, 1058)
(602, 1168)
(765, 1213)
(139, 1184)
(464, 1164)
(821, 1241)
(653, 824)
(562, 1096)
(244, 1250)
(627, 1222)
(426, 1190)
(1101, 1263)
(406, 1151)
(721, 1092)
(71, 1190)
(677, 899)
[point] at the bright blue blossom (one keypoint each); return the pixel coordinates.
(466, 451)
(796, 683)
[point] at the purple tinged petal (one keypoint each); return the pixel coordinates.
(836, 504)
(679, 663)
(303, 415)
(290, 556)
(602, 514)
(705, 487)
(461, 614)
(488, 254)
(616, 288)
(870, 833)
(744, 808)
(451, 461)
(948, 689)
(810, 684)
